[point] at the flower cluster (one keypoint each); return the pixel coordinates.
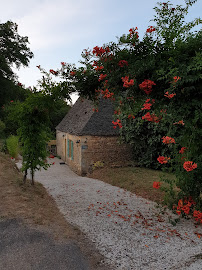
(168, 140)
(102, 77)
(106, 93)
(169, 95)
(146, 86)
(133, 33)
(181, 122)
(117, 123)
(176, 78)
(184, 206)
(156, 185)
(53, 71)
(72, 73)
(150, 29)
(151, 117)
(189, 166)
(95, 110)
(182, 150)
(198, 216)
(126, 81)
(163, 160)
(98, 51)
(147, 105)
(123, 63)
(99, 68)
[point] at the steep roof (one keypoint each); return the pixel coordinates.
(82, 120)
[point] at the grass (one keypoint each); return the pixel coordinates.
(134, 179)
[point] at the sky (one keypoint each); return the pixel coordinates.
(59, 30)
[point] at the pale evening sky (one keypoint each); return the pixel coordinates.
(58, 31)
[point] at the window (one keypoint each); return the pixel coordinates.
(70, 149)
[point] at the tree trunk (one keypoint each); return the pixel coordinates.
(32, 181)
(25, 177)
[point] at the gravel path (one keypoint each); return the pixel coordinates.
(128, 230)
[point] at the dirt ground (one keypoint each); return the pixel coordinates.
(35, 207)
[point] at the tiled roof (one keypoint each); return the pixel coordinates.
(82, 120)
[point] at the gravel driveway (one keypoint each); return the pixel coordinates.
(128, 230)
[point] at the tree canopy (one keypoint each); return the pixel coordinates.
(14, 52)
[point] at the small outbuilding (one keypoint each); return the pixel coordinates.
(86, 136)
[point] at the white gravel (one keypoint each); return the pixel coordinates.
(128, 230)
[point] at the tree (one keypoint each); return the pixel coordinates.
(34, 133)
(13, 52)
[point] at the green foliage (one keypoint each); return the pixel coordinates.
(169, 55)
(12, 143)
(57, 113)
(13, 52)
(171, 50)
(13, 49)
(11, 117)
(2, 128)
(34, 133)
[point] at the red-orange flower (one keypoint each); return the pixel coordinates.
(146, 86)
(98, 51)
(117, 123)
(182, 150)
(189, 166)
(126, 81)
(169, 95)
(156, 185)
(146, 106)
(99, 68)
(197, 215)
(151, 117)
(163, 160)
(72, 73)
(133, 32)
(102, 76)
(176, 78)
(53, 71)
(168, 140)
(150, 29)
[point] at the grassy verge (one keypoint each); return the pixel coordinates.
(135, 179)
(35, 207)
(32, 203)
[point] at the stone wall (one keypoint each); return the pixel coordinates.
(60, 144)
(106, 149)
(90, 149)
(75, 163)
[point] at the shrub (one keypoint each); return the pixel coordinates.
(13, 145)
(2, 128)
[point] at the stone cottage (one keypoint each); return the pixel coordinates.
(85, 136)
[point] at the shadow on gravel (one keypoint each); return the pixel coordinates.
(27, 248)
